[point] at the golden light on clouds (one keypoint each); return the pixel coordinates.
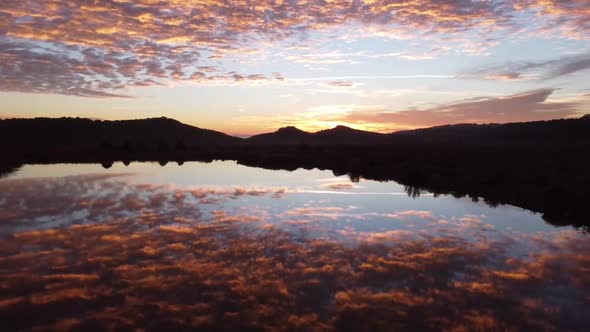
(121, 33)
(135, 49)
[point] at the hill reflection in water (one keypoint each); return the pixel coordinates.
(225, 247)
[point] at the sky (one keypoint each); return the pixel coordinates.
(246, 67)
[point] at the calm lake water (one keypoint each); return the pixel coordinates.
(219, 246)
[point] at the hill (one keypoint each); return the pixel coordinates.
(43, 134)
(525, 134)
(540, 166)
(285, 135)
(76, 133)
(339, 135)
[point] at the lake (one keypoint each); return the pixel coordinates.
(220, 246)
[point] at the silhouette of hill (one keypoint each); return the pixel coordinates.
(537, 133)
(70, 133)
(285, 135)
(163, 133)
(339, 135)
(540, 166)
(525, 134)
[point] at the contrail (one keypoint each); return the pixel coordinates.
(370, 77)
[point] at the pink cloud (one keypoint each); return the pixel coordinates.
(526, 106)
(102, 48)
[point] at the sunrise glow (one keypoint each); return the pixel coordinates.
(246, 67)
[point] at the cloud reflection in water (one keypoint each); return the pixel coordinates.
(98, 252)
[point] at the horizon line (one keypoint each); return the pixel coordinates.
(246, 136)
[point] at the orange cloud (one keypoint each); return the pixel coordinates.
(340, 186)
(526, 106)
(102, 48)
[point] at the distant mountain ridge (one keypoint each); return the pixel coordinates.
(560, 131)
(285, 135)
(540, 166)
(536, 132)
(334, 136)
(165, 133)
(66, 132)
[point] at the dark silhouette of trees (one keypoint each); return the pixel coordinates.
(303, 148)
(163, 146)
(180, 145)
(412, 191)
(539, 165)
(106, 144)
(126, 146)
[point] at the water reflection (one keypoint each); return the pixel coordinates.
(115, 251)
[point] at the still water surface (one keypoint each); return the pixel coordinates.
(219, 246)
